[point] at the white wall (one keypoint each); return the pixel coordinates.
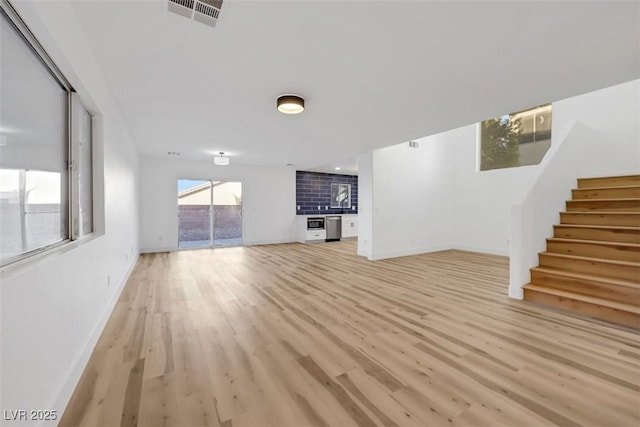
(365, 204)
(482, 200)
(269, 200)
(412, 198)
(54, 307)
(597, 134)
(434, 197)
(614, 113)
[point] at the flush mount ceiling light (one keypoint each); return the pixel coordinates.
(221, 160)
(290, 104)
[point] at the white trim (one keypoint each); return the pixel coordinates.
(408, 252)
(156, 249)
(37, 257)
(482, 250)
(269, 242)
(516, 292)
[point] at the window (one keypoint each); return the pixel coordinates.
(516, 139)
(46, 177)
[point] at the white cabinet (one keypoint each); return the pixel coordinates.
(316, 235)
(349, 229)
(349, 226)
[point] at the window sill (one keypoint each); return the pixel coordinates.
(38, 258)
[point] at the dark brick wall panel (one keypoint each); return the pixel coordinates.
(313, 189)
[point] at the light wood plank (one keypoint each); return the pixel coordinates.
(296, 335)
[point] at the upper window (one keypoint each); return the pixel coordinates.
(45, 149)
(516, 139)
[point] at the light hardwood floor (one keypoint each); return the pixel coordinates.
(293, 335)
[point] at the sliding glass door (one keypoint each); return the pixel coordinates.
(194, 213)
(227, 213)
(209, 213)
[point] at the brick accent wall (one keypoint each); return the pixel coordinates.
(313, 189)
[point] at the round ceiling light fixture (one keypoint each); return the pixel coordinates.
(290, 104)
(221, 160)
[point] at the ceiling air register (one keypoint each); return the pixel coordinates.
(204, 11)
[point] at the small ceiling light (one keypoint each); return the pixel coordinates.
(290, 104)
(221, 160)
(337, 168)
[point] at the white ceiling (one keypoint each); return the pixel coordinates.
(373, 73)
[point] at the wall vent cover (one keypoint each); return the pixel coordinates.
(204, 11)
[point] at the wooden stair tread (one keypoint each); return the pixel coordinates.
(593, 242)
(601, 212)
(586, 258)
(608, 181)
(591, 178)
(607, 188)
(592, 267)
(617, 199)
(632, 308)
(589, 277)
(601, 227)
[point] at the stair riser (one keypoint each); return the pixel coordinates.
(607, 193)
(606, 291)
(609, 181)
(594, 310)
(632, 220)
(587, 205)
(602, 269)
(605, 235)
(612, 252)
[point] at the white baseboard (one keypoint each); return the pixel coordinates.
(365, 254)
(516, 292)
(408, 252)
(157, 249)
(270, 242)
(71, 379)
(482, 250)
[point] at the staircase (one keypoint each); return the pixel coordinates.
(592, 264)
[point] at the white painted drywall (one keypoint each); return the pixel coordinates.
(598, 134)
(537, 209)
(434, 197)
(365, 204)
(481, 199)
(614, 113)
(54, 307)
(412, 195)
(268, 197)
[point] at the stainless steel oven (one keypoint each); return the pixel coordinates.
(315, 223)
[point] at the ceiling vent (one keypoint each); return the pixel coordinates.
(204, 11)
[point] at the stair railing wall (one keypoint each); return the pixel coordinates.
(576, 150)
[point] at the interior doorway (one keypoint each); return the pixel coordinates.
(209, 213)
